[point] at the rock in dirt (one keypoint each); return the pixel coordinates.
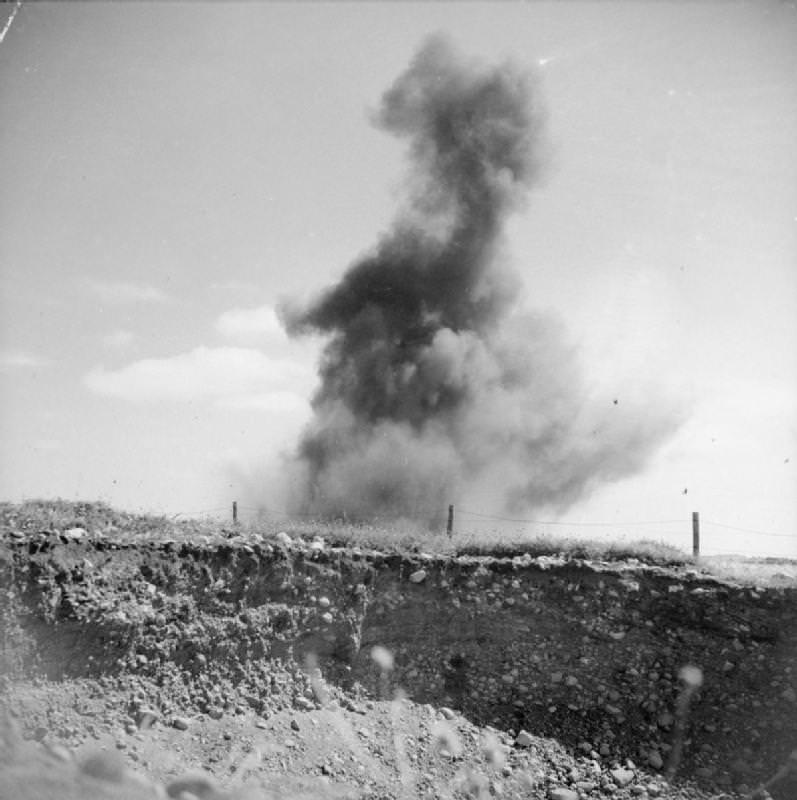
(622, 777)
(655, 760)
(524, 739)
(146, 718)
(561, 793)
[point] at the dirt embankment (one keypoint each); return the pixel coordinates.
(587, 653)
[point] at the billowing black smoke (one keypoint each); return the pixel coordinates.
(432, 383)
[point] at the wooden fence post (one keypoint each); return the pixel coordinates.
(696, 534)
(450, 523)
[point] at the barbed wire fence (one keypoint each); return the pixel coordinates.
(675, 531)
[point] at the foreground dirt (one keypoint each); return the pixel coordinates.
(256, 668)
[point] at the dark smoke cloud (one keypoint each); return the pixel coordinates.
(432, 383)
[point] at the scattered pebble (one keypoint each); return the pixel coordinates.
(562, 793)
(622, 777)
(524, 739)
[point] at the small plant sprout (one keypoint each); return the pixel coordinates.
(691, 676)
(692, 679)
(382, 657)
(316, 678)
(789, 768)
(492, 751)
(405, 770)
(473, 784)
(445, 739)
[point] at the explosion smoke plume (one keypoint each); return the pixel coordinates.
(432, 382)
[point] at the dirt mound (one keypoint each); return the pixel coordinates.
(274, 664)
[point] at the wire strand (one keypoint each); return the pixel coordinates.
(749, 530)
(485, 519)
(572, 524)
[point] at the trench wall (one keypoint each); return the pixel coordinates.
(589, 653)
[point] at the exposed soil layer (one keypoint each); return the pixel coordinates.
(104, 638)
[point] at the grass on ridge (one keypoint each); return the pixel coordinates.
(393, 536)
(399, 536)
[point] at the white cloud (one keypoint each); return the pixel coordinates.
(121, 292)
(250, 324)
(20, 360)
(118, 339)
(231, 375)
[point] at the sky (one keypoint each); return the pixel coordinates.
(169, 173)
